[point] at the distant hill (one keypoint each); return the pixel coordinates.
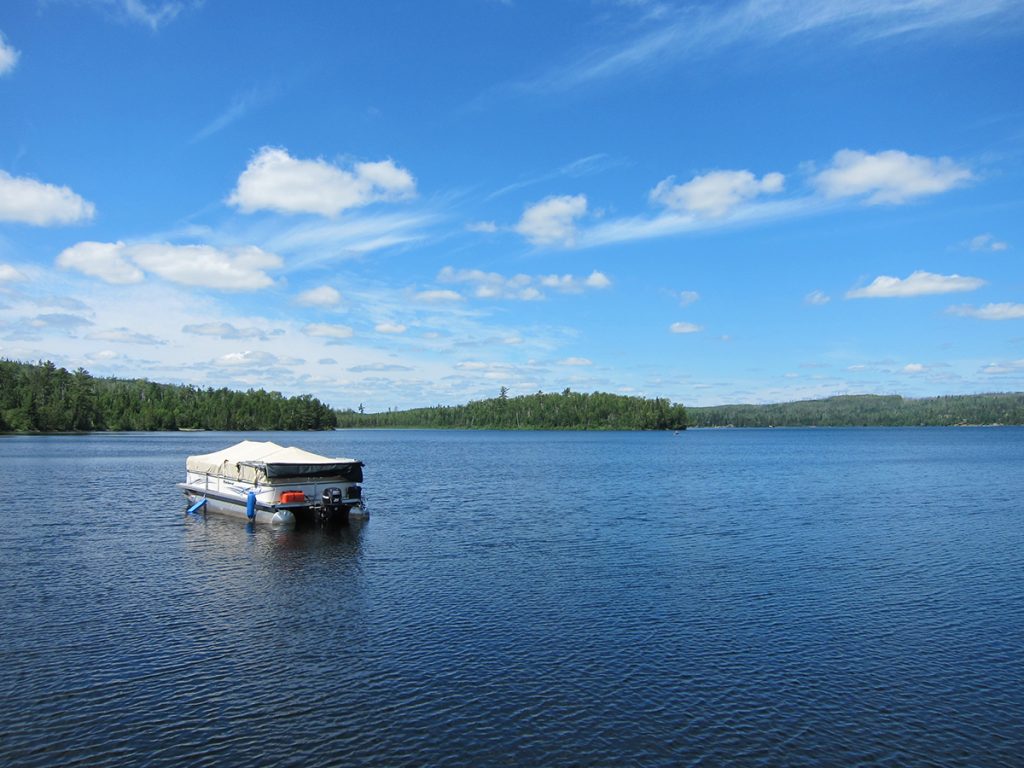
(568, 410)
(868, 411)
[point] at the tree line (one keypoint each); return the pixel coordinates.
(568, 410)
(869, 411)
(40, 397)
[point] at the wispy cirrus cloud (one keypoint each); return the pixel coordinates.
(240, 106)
(918, 283)
(682, 32)
(1003, 311)
(149, 14)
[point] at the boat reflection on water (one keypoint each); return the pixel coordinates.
(234, 549)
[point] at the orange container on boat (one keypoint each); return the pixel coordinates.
(291, 497)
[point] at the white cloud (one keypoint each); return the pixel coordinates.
(9, 274)
(493, 285)
(685, 328)
(888, 177)
(996, 369)
(433, 297)
(276, 181)
(986, 242)
(231, 269)
(714, 194)
(664, 34)
(8, 56)
(576, 361)
(917, 284)
(552, 221)
(322, 296)
(482, 226)
(126, 336)
(914, 368)
(390, 328)
(223, 330)
(107, 261)
(1004, 311)
(688, 297)
(246, 359)
(817, 298)
(32, 202)
(328, 331)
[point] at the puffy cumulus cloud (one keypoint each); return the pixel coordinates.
(227, 331)
(914, 368)
(493, 285)
(276, 181)
(322, 296)
(231, 269)
(29, 201)
(1004, 311)
(917, 284)
(817, 298)
(552, 221)
(328, 330)
(390, 328)
(438, 297)
(9, 274)
(576, 361)
(107, 261)
(714, 194)
(126, 336)
(986, 242)
(9, 56)
(889, 177)
(685, 328)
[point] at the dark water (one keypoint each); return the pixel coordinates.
(781, 597)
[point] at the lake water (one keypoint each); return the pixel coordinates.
(776, 597)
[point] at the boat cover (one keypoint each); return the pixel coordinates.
(252, 461)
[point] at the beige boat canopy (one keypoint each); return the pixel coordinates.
(252, 461)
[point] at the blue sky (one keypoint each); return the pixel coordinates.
(406, 203)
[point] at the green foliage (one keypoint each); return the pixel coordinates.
(868, 411)
(569, 410)
(44, 398)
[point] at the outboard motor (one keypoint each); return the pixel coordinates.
(332, 506)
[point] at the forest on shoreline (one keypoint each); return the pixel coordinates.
(40, 397)
(568, 410)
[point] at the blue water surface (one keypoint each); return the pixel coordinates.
(741, 597)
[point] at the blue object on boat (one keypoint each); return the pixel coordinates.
(196, 507)
(250, 505)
